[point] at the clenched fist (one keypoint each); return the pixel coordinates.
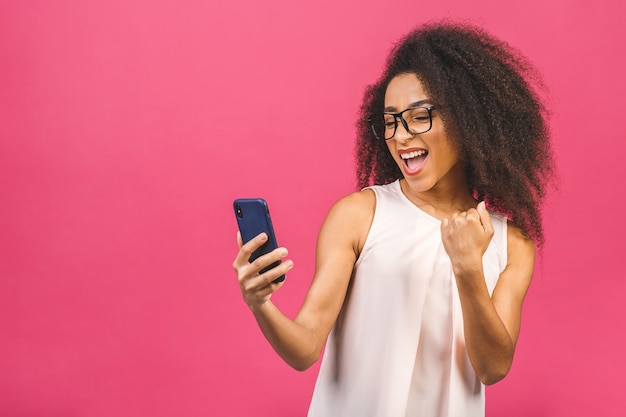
(466, 237)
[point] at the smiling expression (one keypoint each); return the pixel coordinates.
(428, 160)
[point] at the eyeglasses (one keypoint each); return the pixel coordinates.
(418, 119)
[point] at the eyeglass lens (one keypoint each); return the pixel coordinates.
(415, 120)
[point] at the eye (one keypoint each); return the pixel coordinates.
(390, 122)
(420, 115)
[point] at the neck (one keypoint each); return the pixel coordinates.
(445, 199)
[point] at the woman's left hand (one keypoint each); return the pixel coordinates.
(466, 237)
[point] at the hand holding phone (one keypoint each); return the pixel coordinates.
(253, 218)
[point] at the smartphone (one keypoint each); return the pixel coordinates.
(253, 217)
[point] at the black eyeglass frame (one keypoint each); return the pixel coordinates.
(398, 116)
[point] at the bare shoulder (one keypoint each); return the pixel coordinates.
(520, 246)
(350, 218)
(360, 203)
(338, 247)
(516, 277)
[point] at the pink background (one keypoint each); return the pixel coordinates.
(128, 127)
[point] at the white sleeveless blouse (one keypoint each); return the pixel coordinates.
(398, 348)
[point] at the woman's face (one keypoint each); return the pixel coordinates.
(427, 160)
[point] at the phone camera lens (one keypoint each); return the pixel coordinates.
(239, 212)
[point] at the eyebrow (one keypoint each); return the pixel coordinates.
(391, 109)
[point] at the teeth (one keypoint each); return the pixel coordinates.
(412, 154)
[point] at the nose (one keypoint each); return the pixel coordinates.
(402, 133)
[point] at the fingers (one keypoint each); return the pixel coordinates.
(256, 287)
(245, 250)
(253, 280)
(478, 215)
(245, 268)
(463, 218)
(485, 217)
(475, 222)
(256, 278)
(266, 261)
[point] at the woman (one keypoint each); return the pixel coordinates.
(422, 285)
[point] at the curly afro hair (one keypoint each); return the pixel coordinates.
(487, 95)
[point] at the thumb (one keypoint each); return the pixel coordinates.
(485, 217)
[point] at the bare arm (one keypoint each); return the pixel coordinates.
(491, 324)
(300, 341)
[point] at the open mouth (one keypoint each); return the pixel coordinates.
(414, 160)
